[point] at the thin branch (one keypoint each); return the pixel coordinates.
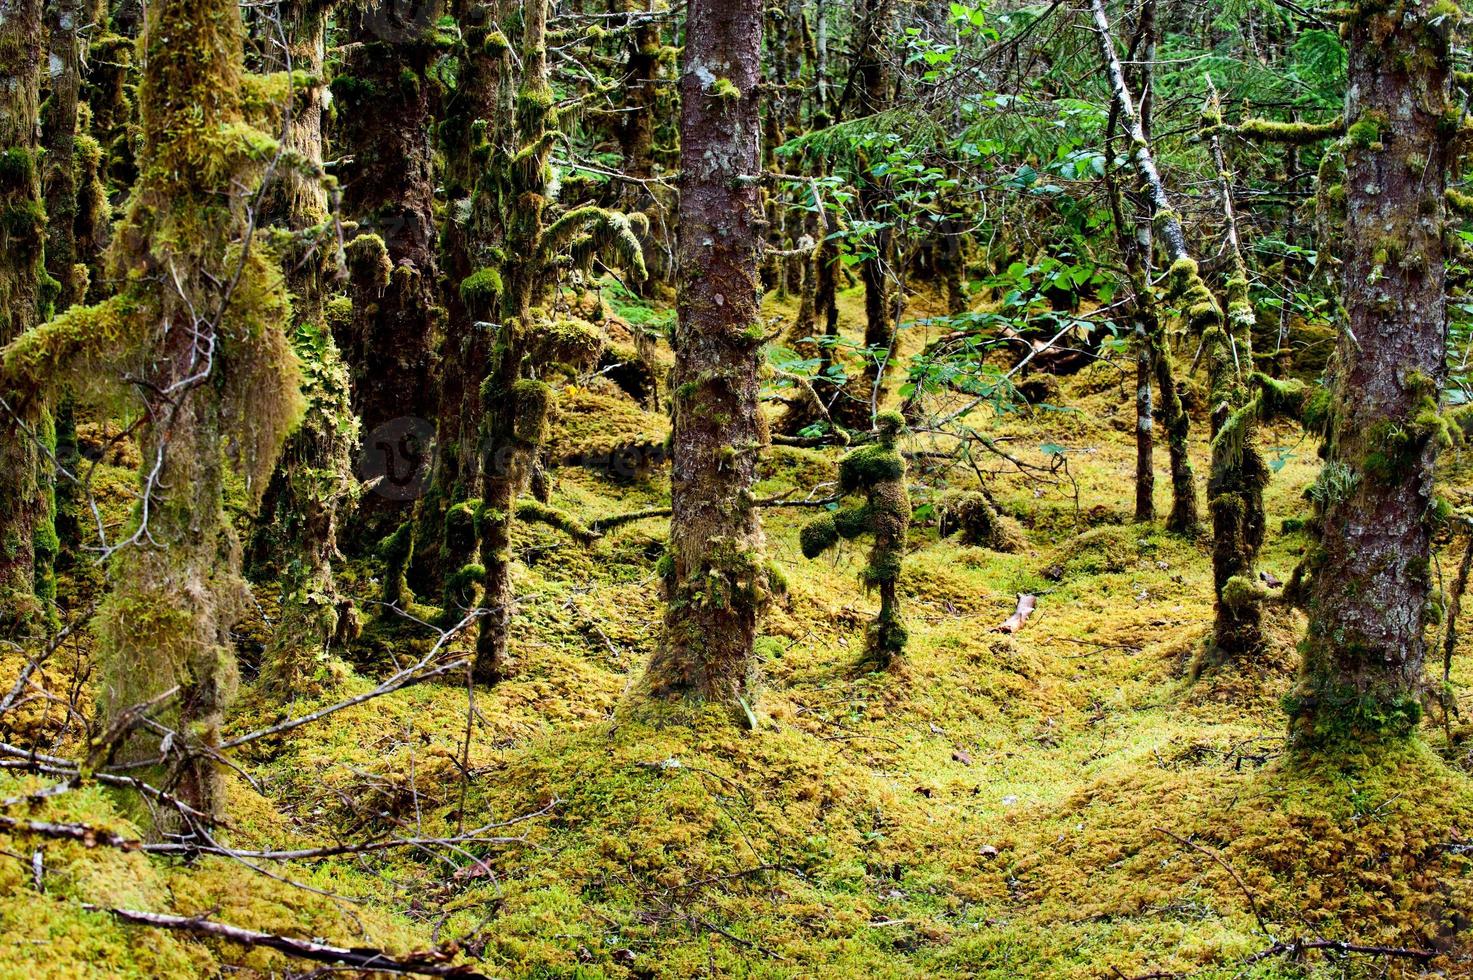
(431, 963)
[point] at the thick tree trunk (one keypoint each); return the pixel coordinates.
(716, 577)
(475, 120)
(384, 137)
(27, 542)
(1362, 674)
(217, 376)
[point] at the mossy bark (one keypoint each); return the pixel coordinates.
(1235, 487)
(1363, 654)
(878, 472)
(298, 533)
(516, 408)
(27, 543)
(59, 128)
(217, 384)
(384, 137)
(312, 483)
(882, 301)
(716, 579)
(110, 80)
(535, 241)
(473, 133)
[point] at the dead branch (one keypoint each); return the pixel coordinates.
(429, 963)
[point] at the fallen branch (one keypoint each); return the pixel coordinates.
(430, 963)
(414, 674)
(1247, 892)
(1293, 947)
(85, 834)
(1026, 604)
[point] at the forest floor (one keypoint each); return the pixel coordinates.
(1060, 802)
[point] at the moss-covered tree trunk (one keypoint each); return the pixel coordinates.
(27, 541)
(1235, 486)
(716, 578)
(59, 137)
(475, 120)
(1362, 671)
(197, 338)
(298, 533)
(384, 138)
(516, 407)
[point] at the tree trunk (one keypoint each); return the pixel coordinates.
(314, 479)
(384, 139)
(1145, 431)
(27, 541)
(1362, 674)
(219, 386)
(516, 407)
(881, 303)
(474, 121)
(1235, 486)
(716, 577)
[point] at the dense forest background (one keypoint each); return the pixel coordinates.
(627, 488)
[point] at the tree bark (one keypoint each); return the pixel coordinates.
(384, 139)
(27, 541)
(1145, 431)
(1362, 673)
(716, 577)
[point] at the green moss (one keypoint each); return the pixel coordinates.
(1293, 133)
(1335, 716)
(818, 536)
(1365, 132)
(536, 512)
(724, 89)
(482, 289)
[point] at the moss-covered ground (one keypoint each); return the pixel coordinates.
(1061, 802)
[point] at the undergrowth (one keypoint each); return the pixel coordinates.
(1061, 802)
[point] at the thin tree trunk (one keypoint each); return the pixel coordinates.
(1145, 435)
(1235, 488)
(716, 576)
(516, 406)
(1185, 279)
